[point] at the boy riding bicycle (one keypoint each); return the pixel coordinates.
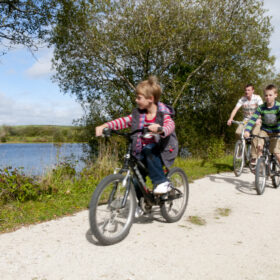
(249, 103)
(161, 146)
(270, 115)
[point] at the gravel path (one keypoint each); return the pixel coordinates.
(243, 245)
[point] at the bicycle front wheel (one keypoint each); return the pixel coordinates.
(112, 209)
(174, 207)
(238, 158)
(275, 174)
(260, 176)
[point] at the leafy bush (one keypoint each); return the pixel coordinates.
(14, 185)
(215, 148)
(66, 168)
(58, 137)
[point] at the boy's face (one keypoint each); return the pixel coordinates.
(270, 96)
(142, 102)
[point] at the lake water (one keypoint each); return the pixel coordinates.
(36, 159)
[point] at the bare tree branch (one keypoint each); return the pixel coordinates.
(12, 5)
(187, 81)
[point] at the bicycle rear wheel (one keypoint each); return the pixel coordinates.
(174, 207)
(260, 176)
(110, 220)
(238, 158)
(276, 174)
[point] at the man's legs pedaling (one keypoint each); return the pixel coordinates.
(238, 131)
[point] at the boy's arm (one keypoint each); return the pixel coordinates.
(253, 120)
(120, 123)
(168, 126)
(116, 124)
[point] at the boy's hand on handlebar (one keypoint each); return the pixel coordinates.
(154, 128)
(99, 129)
(246, 134)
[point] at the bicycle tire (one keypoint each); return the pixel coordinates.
(107, 199)
(276, 175)
(238, 158)
(173, 210)
(247, 153)
(260, 176)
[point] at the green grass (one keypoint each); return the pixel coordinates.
(196, 220)
(40, 134)
(62, 192)
(224, 212)
(198, 168)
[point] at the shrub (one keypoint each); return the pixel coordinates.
(58, 137)
(215, 148)
(66, 169)
(14, 185)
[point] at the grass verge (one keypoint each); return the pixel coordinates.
(196, 220)
(62, 192)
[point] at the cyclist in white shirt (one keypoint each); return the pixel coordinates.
(249, 103)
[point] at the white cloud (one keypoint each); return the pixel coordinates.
(19, 112)
(42, 67)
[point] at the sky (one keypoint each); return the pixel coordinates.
(28, 96)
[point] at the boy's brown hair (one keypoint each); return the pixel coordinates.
(271, 87)
(149, 88)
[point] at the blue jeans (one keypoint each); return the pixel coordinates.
(150, 156)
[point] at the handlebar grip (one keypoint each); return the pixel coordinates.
(145, 130)
(106, 132)
(160, 129)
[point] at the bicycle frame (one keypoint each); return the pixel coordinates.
(131, 163)
(269, 157)
(242, 153)
(245, 150)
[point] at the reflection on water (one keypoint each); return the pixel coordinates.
(36, 159)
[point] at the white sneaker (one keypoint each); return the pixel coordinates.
(138, 212)
(163, 188)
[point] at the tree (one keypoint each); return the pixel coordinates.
(203, 52)
(25, 22)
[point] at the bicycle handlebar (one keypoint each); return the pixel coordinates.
(266, 137)
(108, 131)
(238, 122)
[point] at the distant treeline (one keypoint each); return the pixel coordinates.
(41, 133)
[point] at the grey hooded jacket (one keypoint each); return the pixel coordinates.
(168, 145)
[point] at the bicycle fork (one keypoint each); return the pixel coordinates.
(126, 184)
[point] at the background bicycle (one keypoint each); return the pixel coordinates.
(113, 202)
(242, 153)
(267, 166)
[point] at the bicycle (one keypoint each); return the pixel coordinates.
(113, 203)
(267, 166)
(242, 153)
